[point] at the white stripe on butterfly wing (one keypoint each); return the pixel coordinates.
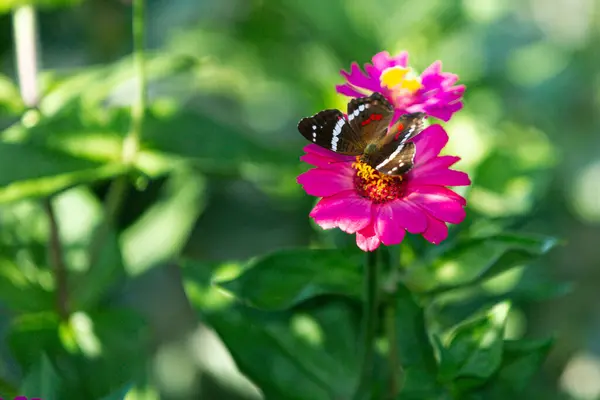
(391, 157)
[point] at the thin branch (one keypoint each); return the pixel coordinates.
(58, 262)
(131, 144)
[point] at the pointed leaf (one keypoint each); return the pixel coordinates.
(475, 349)
(285, 278)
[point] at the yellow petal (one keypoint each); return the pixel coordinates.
(412, 85)
(393, 76)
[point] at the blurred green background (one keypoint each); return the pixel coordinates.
(228, 82)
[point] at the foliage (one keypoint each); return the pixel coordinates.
(207, 226)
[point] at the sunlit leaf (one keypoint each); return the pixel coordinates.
(314, 351)
(44, 171)
(161, 232)
(285, 278)
(8, 5)
(474, 351)
(474, 261)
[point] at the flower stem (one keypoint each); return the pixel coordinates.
(369, 327)
(131, 143)
(60, 269)
(396, 379)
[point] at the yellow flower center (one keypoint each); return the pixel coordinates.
(374, 185)
(401, 80)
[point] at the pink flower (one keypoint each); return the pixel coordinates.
(432, 92)
(379, 208)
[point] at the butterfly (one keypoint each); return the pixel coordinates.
(364, 132)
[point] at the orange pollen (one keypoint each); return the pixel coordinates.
(373, 185)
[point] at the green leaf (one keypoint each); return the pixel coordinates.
(10, 98)
(162, 231)
(27, 171)
(42, 381)
(474, 352)
(415, 351)
(32, 335)
(314, 350)
(474, 261)
(20, 294)
(285, 278)
(8, 5)
(119, 394)
(522, 359)
(204, 140)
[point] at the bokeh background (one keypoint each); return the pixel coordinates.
(229, 80)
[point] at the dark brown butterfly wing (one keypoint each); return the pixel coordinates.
(397, 156)
(407, 127)
(330, 129)
(371, 116)
(393, 159)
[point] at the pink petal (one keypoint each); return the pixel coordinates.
(409, 216)
(348, 90)
(429, 143)
(324, 182)
(367, 239)
(442, 162)
(318, 150)
(357, 78)
(431, 75)
(387, 227)
(435, 201)
(317, 161)
(441, 177)
(320, 157)
(345, 210)
(436, 231)
(444, 112)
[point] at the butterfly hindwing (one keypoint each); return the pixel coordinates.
(394, 158)
(371, 116)
(330, 129)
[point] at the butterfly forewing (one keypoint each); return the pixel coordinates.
(407, 127)
(371, 116)
(330, 129)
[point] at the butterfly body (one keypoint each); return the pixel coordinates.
(365, 132)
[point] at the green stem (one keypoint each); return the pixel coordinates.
(396, 372)
(131, 143)
(369, 326)
(58, 261)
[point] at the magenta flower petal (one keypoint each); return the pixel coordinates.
(433, 92)
(356, 77)
(320, 157)
(438, 204)
(326, 182)
(382, 60)
(345, 210)
(367, 239)
(442, 177)
(436, 231)
(409, 216)
(441, 162)
(387, 227)
(429, 143)
(348, 90)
